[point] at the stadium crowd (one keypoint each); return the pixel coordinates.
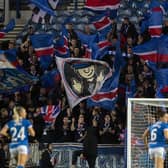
(136, 80)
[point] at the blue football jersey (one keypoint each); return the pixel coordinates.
(19, 132)
(157, 138)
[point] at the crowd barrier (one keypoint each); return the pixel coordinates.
(109, 156)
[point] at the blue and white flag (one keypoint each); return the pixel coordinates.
(11, 78)
(43, 5)
(53, 3)
(9, 27)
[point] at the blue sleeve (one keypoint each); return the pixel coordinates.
(28, 124)
(165, 126)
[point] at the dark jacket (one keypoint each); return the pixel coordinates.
(90, 142)
(2, 158)
(45, 160)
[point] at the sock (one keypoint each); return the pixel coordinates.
(20, 166)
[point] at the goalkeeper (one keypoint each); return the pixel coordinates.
(158, 134)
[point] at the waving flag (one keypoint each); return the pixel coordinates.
(88, 52)
(43, 5)
(53, 3)
(147, 51)
(163, 49)
(44, 48)
(9, 27)
(61, 47)
(11, 55)
(98, 5)
(50, 113)
(102, 23)
(87, 39)
(107, 96)
(12, 79)
(161, 76)
(156, 22)
(50, 79)
(100, 49)
(82, 78)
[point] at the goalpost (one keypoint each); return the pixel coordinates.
(141, 113)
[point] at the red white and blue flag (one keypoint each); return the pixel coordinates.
(147, 51)
(102, 23)
(50, 113)
(98, 5)
(108, 94)
(156, 22)
(44, 48)
(163, 49)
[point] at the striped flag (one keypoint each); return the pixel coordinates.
(44, 48)
(98, 5)
(102, 23)
(147, 51)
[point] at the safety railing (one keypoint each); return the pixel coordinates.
(110, 156)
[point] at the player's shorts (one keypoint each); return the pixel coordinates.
(157, 152)
(21, 149)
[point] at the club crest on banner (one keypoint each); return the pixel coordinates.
(82, 77)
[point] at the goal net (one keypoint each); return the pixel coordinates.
(141, 113)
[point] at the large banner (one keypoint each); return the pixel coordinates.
(82, 78)
(108, 156)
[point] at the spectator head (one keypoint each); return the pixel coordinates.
(107, 118)
(95, 111)
(3, 113)
(126, 20)
(129, 41)
(11, 44)
(81, 119)
(49, 146)
(87, 29)
(69, 26)
(76, 52)
(65, 120)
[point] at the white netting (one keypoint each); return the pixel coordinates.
(141, 114)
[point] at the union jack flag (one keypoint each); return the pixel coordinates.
(50, 113)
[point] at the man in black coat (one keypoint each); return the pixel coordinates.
(89, 151)
(45, 161)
